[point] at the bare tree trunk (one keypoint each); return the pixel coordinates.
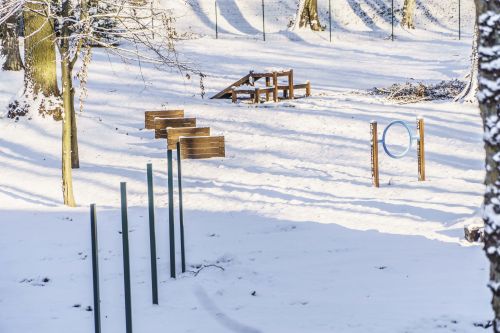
(308, 15)
(468, 94)
(408, 20)
(10, 45)
(75, 158)
(67, 91)
(40, 54)
(488, 19)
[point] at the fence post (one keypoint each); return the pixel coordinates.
(421, 149)
(126, 259)
(181, 209)
(459, 20)
(216, 22)
(392, 20)
(171, 213)
(95, 269)
(152, 235)
(374, 153)
(330, 17)
(263, 22)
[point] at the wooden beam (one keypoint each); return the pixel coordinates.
(161, 125)
(226, 93)
(149, 116)
(173, 134)
(374, 153)
(421, 149)
(202, 147)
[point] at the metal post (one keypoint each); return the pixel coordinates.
(152, 20)
(392, 20)
(330, 17)
(171, 214)
(181, 213)
(374, 153)
(95, 269)
(459, 20)
(152, 235)
(216, 23)
(420, 149)
(126, 259)
(263, 22)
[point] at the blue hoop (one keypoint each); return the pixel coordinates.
(410, 139)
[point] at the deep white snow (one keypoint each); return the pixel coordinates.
(305, 241)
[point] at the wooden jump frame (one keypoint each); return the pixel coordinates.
(249, 88)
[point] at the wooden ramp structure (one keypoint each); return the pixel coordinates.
(227, 92)
(246, 86)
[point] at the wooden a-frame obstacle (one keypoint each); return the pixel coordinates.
(246, 86)
(419, 137)
(191, 142)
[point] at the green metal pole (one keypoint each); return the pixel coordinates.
(181, 213)
(216, 23)
(152, 235)
(392, 20)
(171, 213)
(95, 269)
(126, 259)
(330, 17)
(263, 22)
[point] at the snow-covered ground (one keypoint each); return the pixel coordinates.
(305, 241)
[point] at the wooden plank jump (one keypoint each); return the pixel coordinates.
(173, 134)
(161, 125)
(149, 116)
(202, 147)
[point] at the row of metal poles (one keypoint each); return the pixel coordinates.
(152, 237)
(329, 20)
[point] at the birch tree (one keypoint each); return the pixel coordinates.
(488, 20)
(408, 20)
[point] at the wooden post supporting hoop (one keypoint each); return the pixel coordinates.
(421, 149)
(374, 153)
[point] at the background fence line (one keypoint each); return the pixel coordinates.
(232, 19)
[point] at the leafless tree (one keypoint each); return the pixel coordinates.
(131, 29)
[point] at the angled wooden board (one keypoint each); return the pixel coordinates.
(173, 134)
(149, 116)
(226, 93)
(161, 125)
(202, 147)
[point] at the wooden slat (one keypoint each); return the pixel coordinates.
(226, 93)
(173, 134)
(161, 125)
(192, 142)
(202, 147)
(149, 116)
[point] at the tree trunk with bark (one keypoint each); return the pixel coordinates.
(488, 19)
(308, 15)
(408, 20)
(68, 106)
(39, 54)
(468, 94)
(10, 45)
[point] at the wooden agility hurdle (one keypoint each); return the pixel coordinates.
(149, 116)
(161, 125)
